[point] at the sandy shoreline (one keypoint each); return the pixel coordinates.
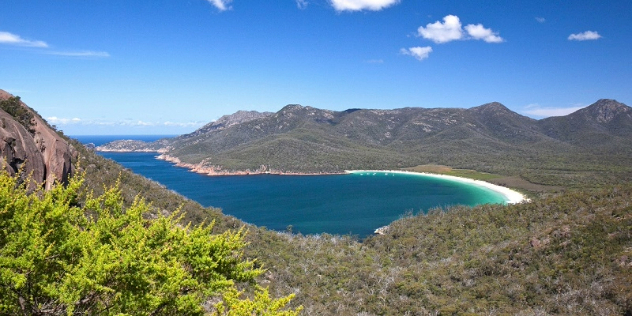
(511, 196)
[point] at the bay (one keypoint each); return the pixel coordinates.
(354, 204)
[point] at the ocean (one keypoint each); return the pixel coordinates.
(355, 204)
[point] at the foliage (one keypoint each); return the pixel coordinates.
(233, 305)
(59, 256)
(565, 254)
(13, 106)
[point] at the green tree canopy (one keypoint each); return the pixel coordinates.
(61, 257)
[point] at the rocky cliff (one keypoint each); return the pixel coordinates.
(30, 145)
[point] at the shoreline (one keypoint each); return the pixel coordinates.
(511, 196)
(216, 171)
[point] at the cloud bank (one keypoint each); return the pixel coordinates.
(420, 53)
(536, 110)
(585, 36)
(451, 30)
(127, 122)
(359, 5)
(12, 39)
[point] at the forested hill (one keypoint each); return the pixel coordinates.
(488, 138)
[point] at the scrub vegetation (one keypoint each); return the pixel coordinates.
(569, 251)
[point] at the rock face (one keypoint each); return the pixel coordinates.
(18, 149)
(36, 147)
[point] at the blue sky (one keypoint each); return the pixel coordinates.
(168, 67)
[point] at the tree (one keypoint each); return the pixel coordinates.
(59, 256)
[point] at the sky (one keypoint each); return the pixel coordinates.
(115, 67)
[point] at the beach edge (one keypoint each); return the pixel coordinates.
(511, 196)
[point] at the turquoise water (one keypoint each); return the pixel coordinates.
(354, 204)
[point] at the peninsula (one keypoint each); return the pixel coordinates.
(488, 138)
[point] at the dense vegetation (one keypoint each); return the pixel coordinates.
(566, 254)
(59, 256)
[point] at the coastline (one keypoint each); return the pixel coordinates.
(511, 196)
(215, 171)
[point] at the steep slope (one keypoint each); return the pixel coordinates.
(28, 141)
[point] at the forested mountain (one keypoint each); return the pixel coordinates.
(488, 138)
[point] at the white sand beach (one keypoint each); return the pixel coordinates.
(511, 196)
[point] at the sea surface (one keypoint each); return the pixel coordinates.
(354, 204)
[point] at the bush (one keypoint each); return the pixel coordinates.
(58, 256)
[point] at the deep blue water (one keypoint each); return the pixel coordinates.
(337, 204)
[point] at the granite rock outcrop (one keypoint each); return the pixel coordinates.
(29, 145)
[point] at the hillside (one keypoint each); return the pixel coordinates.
(566, 253)
(594, 142)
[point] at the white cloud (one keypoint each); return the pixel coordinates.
(126, 122)
(540, 19)
(585, 36)
(358, 5)
(536, 110)
(420, 53)
(12, 39)
(82, 54)
(302, 4)
(222, 5)
(479, 32)
(57, 120)
(451, 30)
(447, 31)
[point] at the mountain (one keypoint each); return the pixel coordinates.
(488, 138)
(605, 125)
(28, 144)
